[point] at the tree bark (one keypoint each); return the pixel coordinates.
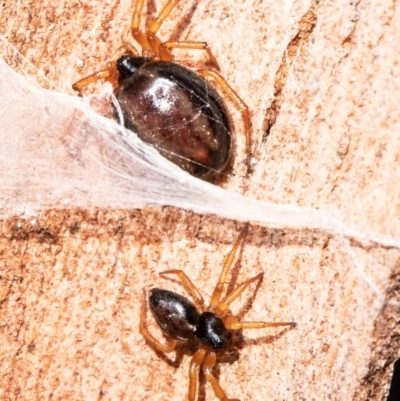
(321, 80)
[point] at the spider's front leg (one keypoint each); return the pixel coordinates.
(216, 296)
(165, 54)
(152, 38)
(109, 74)
(232, 323)
(137, 34)
(224, 304)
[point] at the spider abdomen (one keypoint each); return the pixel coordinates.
(176, 111)
(175, 314)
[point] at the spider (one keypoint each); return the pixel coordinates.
(170, 106)
(211, 327)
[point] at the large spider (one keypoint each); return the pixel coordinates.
(210, 327)
(170, 106)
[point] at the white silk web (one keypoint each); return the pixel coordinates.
(57, 153)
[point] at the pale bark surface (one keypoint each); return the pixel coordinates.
(322, 82)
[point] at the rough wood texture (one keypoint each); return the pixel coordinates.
(385, 347)
(322, 82)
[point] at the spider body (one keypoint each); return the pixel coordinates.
(177, 111)
(181, 320)
(171, 107)
(178, 318)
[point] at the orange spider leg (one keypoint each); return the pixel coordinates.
(195, 363)
(156, 25)
(197, 298)
(215, 298)
(224, 305)
(166, 55)
(232, 325)
(110, 74)
(208, 365)
(170, 346)
(212, 73)
(137, 34)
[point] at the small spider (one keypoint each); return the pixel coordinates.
(170, 106)
(211, 327)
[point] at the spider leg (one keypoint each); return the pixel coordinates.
(170, 346)
(153, 40)
(235, 325)
(208, 366)
(166, 55)
(195, 363)
(110, 74)
(197, 298)
(215, 298)
(137, 34)
(224, 305)
(217, 77)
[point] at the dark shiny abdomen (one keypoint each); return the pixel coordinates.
(175, 314)
(175, 110)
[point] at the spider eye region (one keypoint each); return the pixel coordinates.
(212, 332)
(127, 66)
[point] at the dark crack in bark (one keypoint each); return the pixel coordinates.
(306, 27)
(385, 348)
